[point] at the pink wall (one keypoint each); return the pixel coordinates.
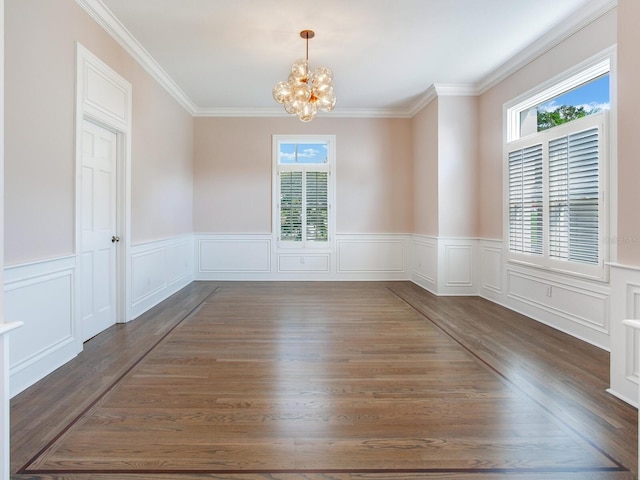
(40, 38)
(425, 170)
(628, 133)
(587, 42)
(457, 166)
(232, 177)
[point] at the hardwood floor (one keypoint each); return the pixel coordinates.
(316, 381)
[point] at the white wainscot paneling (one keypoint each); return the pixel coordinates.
(575, 307)
(41, 295)
(233, 257)
(303, 263)
(456, 266)
(625, 340)
(491, 269)
(373, 257)
(158, 270)
(425, 262)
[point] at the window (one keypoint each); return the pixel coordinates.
(303, 190)
(576, 95)
(555, 176)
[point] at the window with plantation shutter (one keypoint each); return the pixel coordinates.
(317, 218)
(291, 206)
(525, 200)
(303, 179)
(556, 211)
(574, 197)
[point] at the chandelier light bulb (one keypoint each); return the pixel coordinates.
(305, 92)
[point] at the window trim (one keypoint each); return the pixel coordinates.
(329, 167)
(584, 72)
(545, 261)
(511, 119)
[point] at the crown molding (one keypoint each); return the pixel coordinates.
(423, 100)
(441, 90)
(456, 89)
(546, 42)
(107, 20)
(280, 112)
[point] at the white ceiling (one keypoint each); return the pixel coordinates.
(224, 56)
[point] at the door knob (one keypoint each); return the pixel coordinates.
(115, 239)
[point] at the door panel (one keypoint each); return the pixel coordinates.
(99, 155)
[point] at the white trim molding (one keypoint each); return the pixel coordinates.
(110, 24)
(50, 336)
(445, 265)
(553, 37)
(158, 270)
(5, 395)
(477, 266)
(625, 339)
(373, 257)
(568, 27)
(106, 99)
(254, 257)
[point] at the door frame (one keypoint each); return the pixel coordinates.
(104, 98)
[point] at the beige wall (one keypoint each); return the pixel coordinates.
(232, 173)
(40, 38)
(425, 170)
(628, 133)
(457, 166)
(587, 42)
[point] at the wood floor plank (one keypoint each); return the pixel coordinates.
(337, 380)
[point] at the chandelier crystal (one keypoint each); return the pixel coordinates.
(305, 91)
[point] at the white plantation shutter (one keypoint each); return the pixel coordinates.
(556, 205)
(303, 187)
(291, 206)
(526, 200)
(317, 206)
(574, 197)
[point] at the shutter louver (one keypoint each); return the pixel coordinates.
(317, 206)
(525, 200)
(291, 206)
(574, 197)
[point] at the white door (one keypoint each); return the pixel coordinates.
(99, 236)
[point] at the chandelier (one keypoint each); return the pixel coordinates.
(305, 92)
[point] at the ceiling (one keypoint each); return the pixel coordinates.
(224, 57)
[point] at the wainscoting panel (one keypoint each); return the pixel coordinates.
(491, 268)
(373, 257)
(223, 257)
(625, 340)
(458, 266)
(577, 307)
(158, 270)
(303, 263)
(457, 260)
(425, 262)
(42, 296)
(586, 307)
